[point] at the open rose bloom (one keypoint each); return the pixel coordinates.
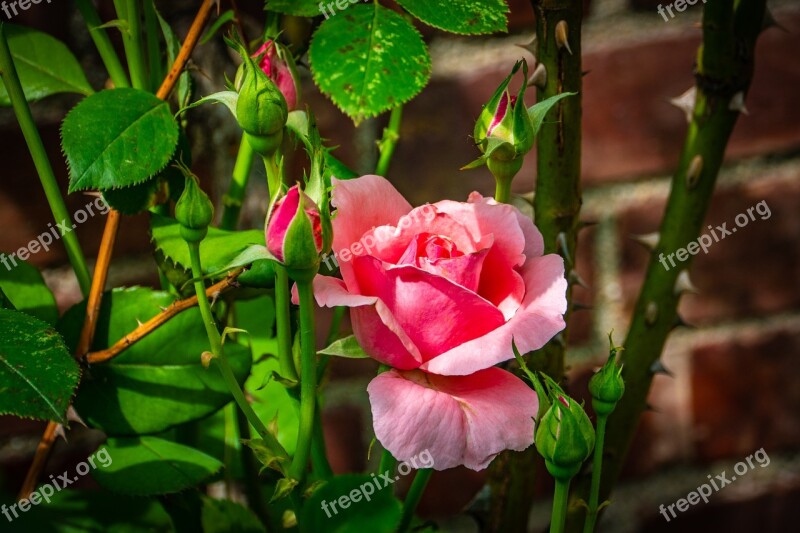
(438, 293)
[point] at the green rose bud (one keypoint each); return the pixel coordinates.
(606, 386)
(194, 211)
(564, 437)
(261, 108)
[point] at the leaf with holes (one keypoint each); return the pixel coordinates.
(369, 59)
(37, 374)
(44, 65)
(460, 16)
(117, 138)
(146, 466)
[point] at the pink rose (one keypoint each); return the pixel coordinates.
(438, 292)
(277, 69)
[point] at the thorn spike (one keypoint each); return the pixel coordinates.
(575, 278)
(651, 313)
(530, 47)
(737, 103)
(561, 240)
(562, 32)
(684, 284)
(694, 171)
(648, 240)
(685, 102)
(539, 77)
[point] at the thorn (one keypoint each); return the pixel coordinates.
(539, 76)
(575, 278)
(737, 103)
(658, 368)
(561, 240)
(163, 308)
(530, 47)
(139, 322)
(577, 306)
(73, 416)
(685, 102)
(562, 30)
(651, 313)
(214, 298)
(60, 432)
(694, 171)
(648, 240)
(680, 323)
(684, 284)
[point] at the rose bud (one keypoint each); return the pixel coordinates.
(278, 65)
(503, 131)
(564, 437)
(193, 211)
(606, 386)
(261, 108)
(294, 234)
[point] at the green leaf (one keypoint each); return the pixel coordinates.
(173, 48)
(158, 382)
(134, 199)
(37, 374)
(145, 466)
(117, 138)
(24, 286)
(82, 511)
(460, 16)
(346, 347)
(539, 110)
(369, 59)
(224, 18)
(229, 98)
(269, 456)
(218, 250)
(44, 64)
(300, 8)
(225, 516)
(380, 514)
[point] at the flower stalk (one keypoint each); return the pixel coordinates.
(413, 497)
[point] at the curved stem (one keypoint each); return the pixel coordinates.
(559, 506)
(391, 134)
(413, 497)
(388, 462)
(597, 466)
(103, 43)
(215, 340)
(238, 185)
(46, 176)
(308, 380)
(283, 323)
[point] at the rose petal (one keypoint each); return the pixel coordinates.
(434, 312)
(464, 420)
(538, 319)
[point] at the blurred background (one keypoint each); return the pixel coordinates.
(734, 386)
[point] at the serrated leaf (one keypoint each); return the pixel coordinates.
(380, 514)
(24, 287)
(346, 347)
(369, 59)
(158, 382)
(37, 374)
(299, 8)
(145, 466)
(44, 65)
(217, 251)
(468, 17)
(539, 110)
(117, 138)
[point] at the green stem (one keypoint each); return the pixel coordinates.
(559, 506)
(274, 175)
(707, 137)
(388, 462)
(283, 323)
(238, 186)
(319, 455)
(308, 381)
(502, 191)
(46, 176)
(129, 11)
(103, 44)
(215, 340)
(391, 134)
(413, 497)
(597, 466)
(152, 31)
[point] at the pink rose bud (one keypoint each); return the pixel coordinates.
(294, 232)
(280, 70)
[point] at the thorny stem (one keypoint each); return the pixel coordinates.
(724, 68)
(391, 134)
